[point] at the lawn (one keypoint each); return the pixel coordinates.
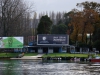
(16, 54)
(65, 55)
(45, 55)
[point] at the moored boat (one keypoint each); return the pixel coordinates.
(96, 59)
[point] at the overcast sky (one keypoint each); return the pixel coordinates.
(55, 5)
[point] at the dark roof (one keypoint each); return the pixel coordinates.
(46, 46)
(34, 43)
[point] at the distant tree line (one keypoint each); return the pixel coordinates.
(16, 20)
(83, 25)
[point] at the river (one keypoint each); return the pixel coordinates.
(38, 67)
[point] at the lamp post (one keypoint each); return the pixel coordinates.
(87, 37)
(89, 41)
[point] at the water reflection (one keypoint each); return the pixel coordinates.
(31, 67)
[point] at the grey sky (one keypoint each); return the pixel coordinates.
(55, 5)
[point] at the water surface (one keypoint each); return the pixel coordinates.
(31, 67)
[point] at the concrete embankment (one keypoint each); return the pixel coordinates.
(38, 57)
(64, 58)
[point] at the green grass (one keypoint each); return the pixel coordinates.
(45, 55)
(65, 55)
(16, 54)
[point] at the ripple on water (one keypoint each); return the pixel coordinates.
(38, 68)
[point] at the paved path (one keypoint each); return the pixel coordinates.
(38, 57)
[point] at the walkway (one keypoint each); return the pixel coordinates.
(38, 57)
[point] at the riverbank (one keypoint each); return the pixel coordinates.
(53, 56)
(46, 55)
(65, 55)
(10, 55)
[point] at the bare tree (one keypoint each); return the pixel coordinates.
(13, 13)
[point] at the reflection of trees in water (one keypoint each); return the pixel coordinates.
(7, 67)
(27, 67)
(93, 68)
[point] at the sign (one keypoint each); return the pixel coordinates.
(11, 42)
(52, 39)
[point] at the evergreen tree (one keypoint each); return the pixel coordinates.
(44, 26)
